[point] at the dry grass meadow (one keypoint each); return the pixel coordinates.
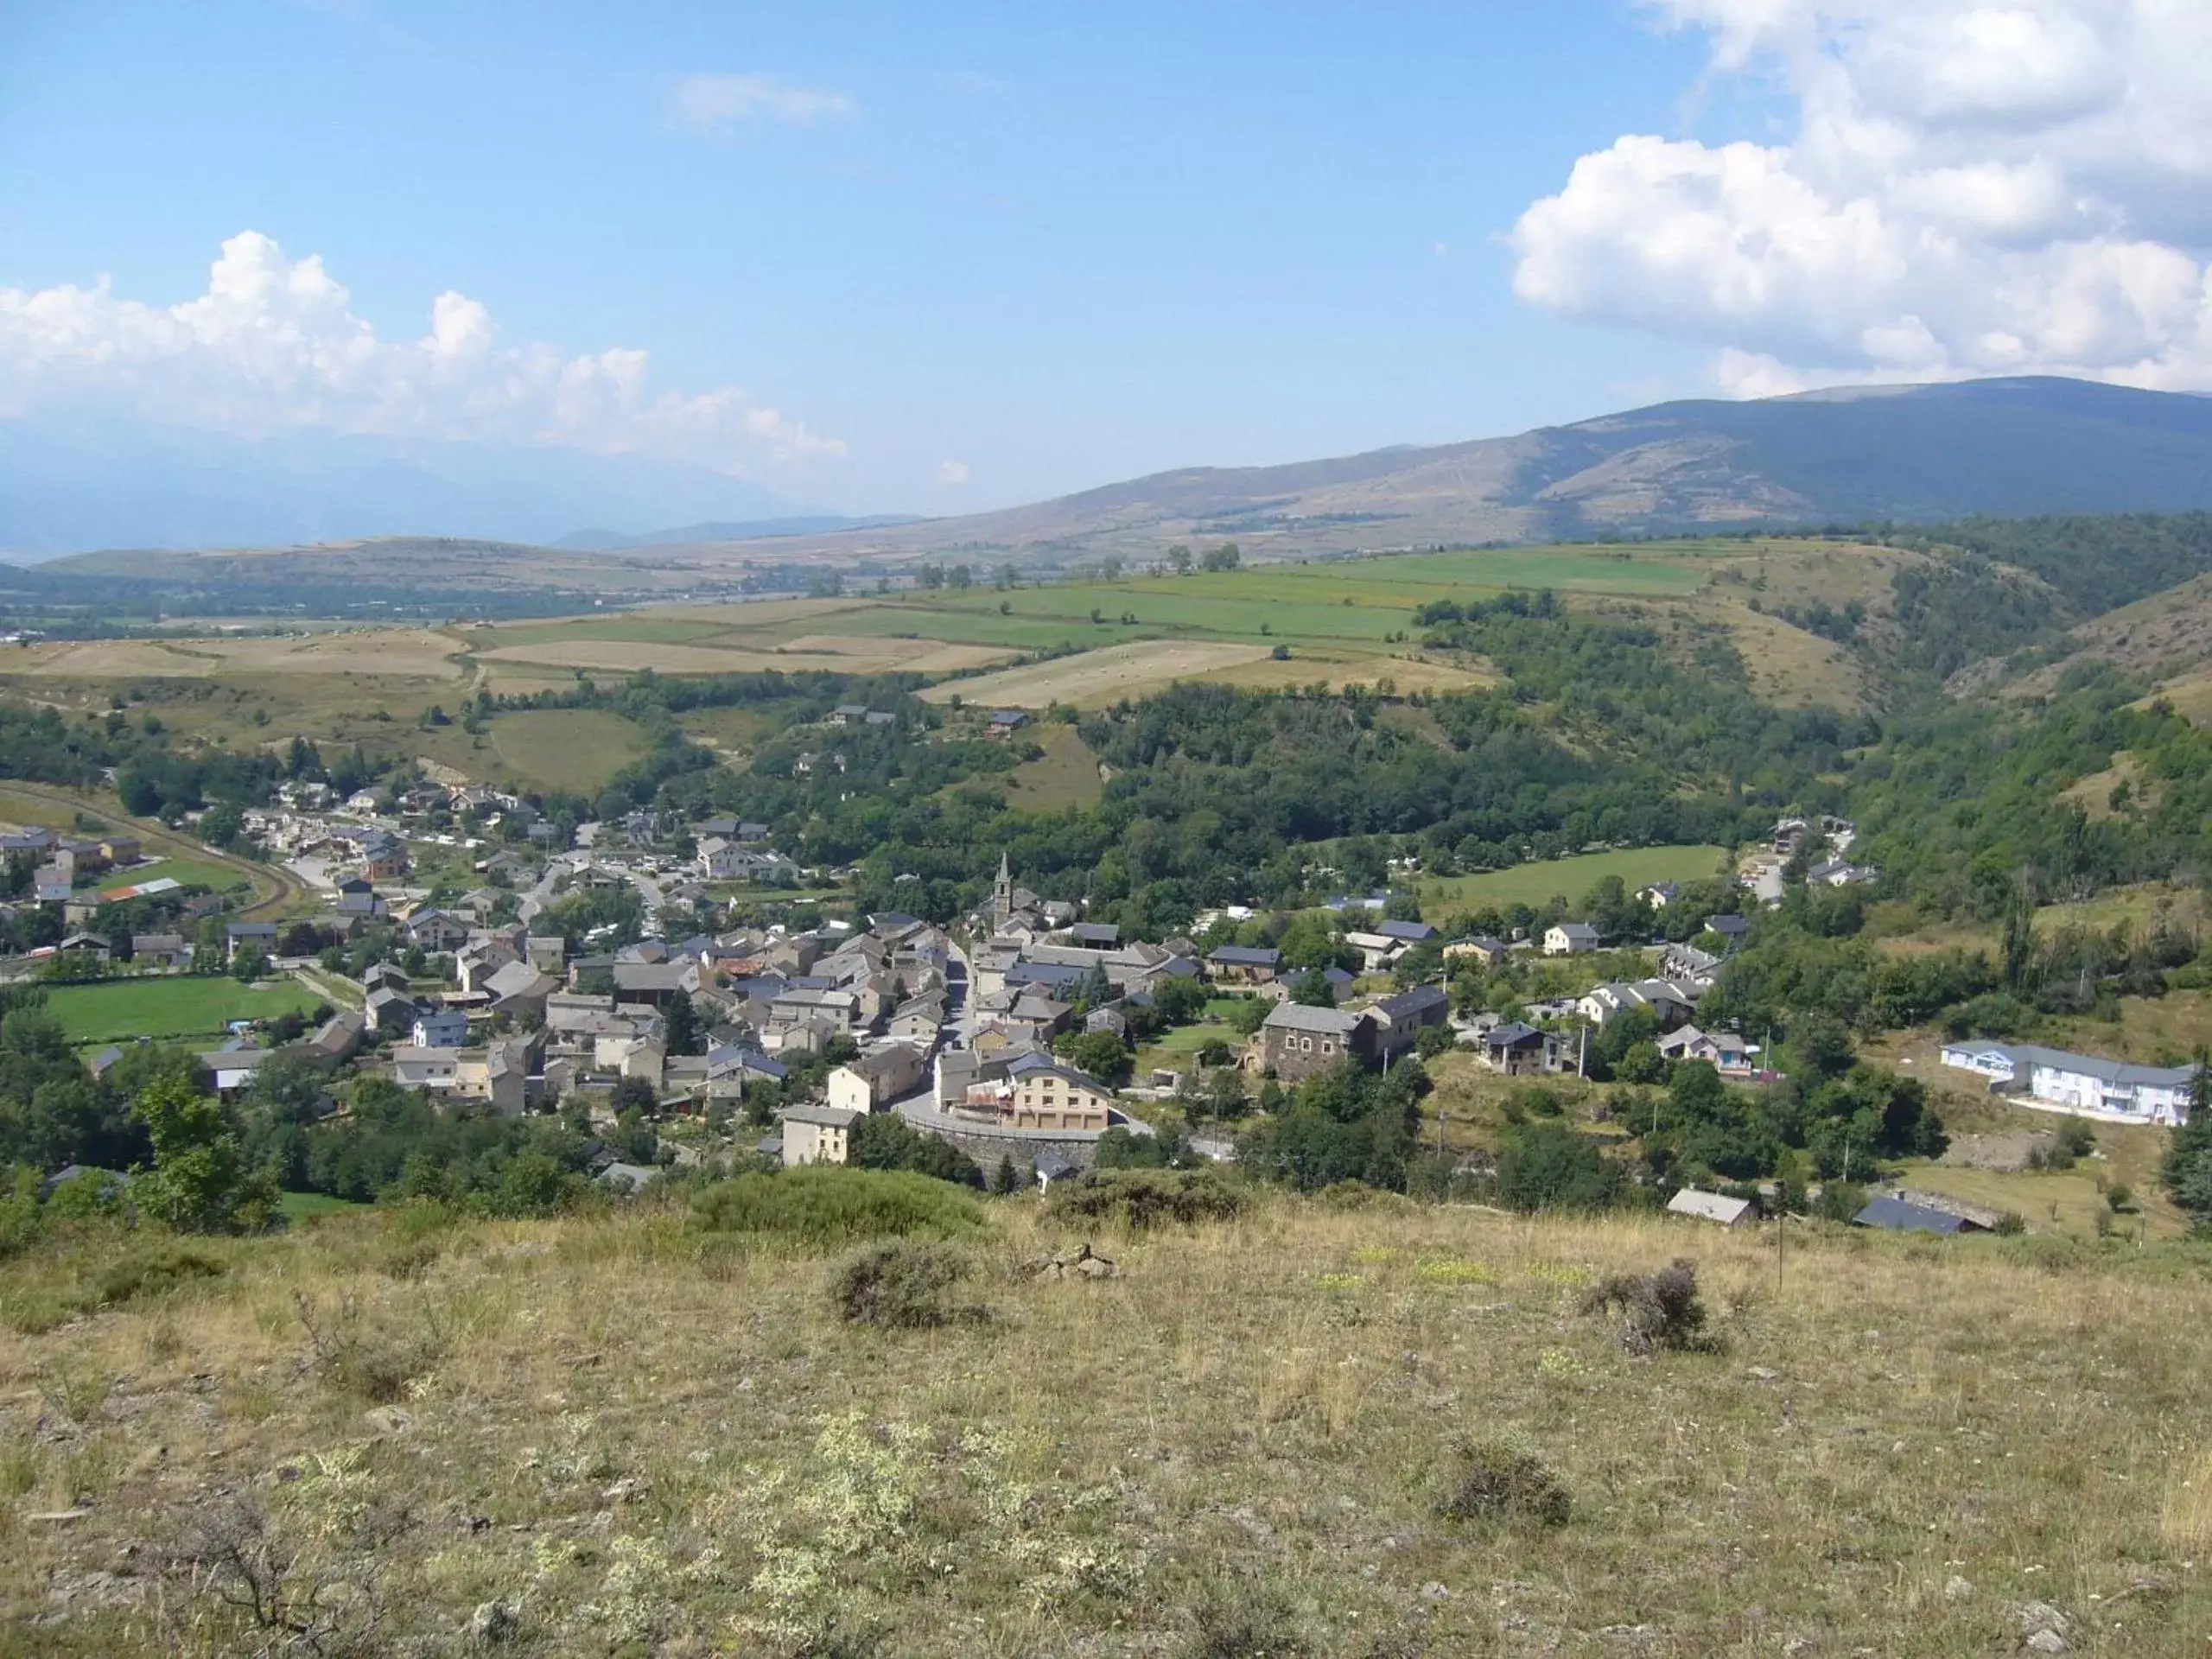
(635, 1437)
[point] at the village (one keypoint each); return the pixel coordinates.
(1011, 1034)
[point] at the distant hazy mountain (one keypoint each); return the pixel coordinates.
(2002, 447)
(609, 541)
(67, 489)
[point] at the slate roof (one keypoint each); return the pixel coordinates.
(1411, 1005)
(1515, 1035)
(1245, 956)
(1897, 1215)
(1296, 1016)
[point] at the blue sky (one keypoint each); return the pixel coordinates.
(1044, 247)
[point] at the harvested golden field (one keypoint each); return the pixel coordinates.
(826, 652)
(419, 652)
(1092, 677)
(1337, 671)
(1789, 667)
(1377, 1432)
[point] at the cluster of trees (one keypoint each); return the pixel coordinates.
(1343, 1124)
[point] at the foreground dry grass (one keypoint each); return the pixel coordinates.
(636, 1438)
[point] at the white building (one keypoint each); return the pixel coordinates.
(2084, 1084)
(1569, 939)
(817, 1134)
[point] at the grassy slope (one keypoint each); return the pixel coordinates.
(1255, 1415)
(566, 748)
(163, 1007)
(1065, 775)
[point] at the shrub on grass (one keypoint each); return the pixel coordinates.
(824, 1206)
(1145, 1197)
(364, 1354)
(904, 1285)
(1243, 1618)
(1492, 1480)
(150, 1274)
(1657, 1311)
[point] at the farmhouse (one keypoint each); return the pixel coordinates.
(1480, 948)
(1398, 1021)
(1296, 1041)
(161, 950)
(817, 1134)
(874, 1080)
(1378, 952)
(1245, 964)
(1569, 939)
(249, 938)
(2084, 1084)
(1521, 1050)
(1669, 1003)
(1729, 1055)
(437, 930)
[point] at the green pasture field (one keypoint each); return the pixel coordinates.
(216, 878)
(1570, 878)
(120, 1010)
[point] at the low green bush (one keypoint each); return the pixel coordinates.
(824, 1206)
(150, 1274)
(1145, 1197)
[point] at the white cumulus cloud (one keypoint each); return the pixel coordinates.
(708, 105)
(954, 473)
(274, 344)
(2022, 186)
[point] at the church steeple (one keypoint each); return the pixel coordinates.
(1002, 891)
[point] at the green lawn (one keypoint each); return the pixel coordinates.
(193, 872)
(1174, 1050)
(307, 1207)
(1570, 878)
(184, 1007)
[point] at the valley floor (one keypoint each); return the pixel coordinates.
(632, 1436)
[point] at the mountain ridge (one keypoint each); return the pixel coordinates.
(2009, 447)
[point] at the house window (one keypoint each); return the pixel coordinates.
(1325, 1045)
